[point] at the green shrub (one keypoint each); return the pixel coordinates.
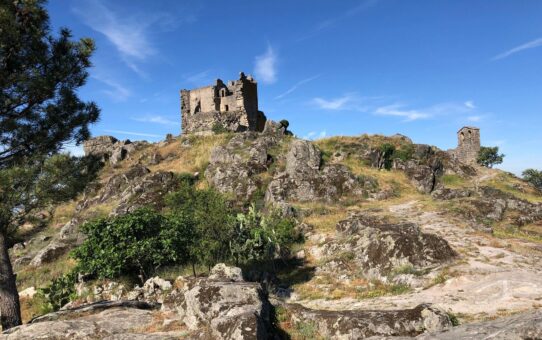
(134, 244)
(58, 293)
(404, 153)
(218, 128)
(259, 237)
(534, 177)
(387, 150)
(212, 219)
(489, 156)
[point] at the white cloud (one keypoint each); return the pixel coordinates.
(470, 104)
(116, 91)
(330, 22)
(128, 35)
(129, 30)
(334, 104)
(296, 86)
(398, 111)
(531, 44)
(133, 133)
(265, 66)
(156, 119)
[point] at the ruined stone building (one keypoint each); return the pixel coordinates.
(232, 106)
(468, 145)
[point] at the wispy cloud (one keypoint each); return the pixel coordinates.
(156, 119)
(116, 91)
(133, 133)
(313, 135)
(265, 66)
(381, 106)
(330, 22)
(128, 31)
(333, 104)
(399, 111)
(470, 104)
(531, 44)
(296, 86)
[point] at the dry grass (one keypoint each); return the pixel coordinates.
(64, 212)
(330, 288)
(509, 183)
(192, 158)
(44, 274)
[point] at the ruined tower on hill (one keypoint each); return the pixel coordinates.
(232, 106)
(468, 145)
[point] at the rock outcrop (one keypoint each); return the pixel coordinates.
(362, 324)
(108, 148)
(304, 179)
(234, 168)
(376, 247)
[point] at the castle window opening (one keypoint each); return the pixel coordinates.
(226, 107)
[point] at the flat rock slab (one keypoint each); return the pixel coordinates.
(115, 323)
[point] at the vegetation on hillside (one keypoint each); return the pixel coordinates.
(489, 156)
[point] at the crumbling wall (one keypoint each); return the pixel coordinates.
(233, 106)
(468, 145)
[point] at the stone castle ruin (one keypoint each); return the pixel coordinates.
(232, 106)
(468, 145)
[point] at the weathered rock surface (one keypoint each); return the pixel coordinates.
(51, 252)
(524, 326)
(112, 321)
(226, 309)
(490, 204)
(361, 324)
(305, 180)
(108, 148)
(146, 191)
(233, 168)
(376, 247)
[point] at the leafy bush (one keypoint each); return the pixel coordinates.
(534, 177)
(387, 150)
(135, 244)
(218, 128)
(212, 220)
(489, 156)
(59, 292)
(259, 237)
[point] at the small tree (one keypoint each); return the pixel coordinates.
(489, 156)
(534, 177)
(212, 218)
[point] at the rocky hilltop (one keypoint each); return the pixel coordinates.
(401, 240)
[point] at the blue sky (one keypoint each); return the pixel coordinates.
(420, 68)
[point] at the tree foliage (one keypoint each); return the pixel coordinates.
(489, 156)
(39, 77)
(134, 244)
(534, 177)
(199, 227)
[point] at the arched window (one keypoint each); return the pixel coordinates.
(223, 93)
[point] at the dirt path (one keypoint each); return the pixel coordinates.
(488, 278)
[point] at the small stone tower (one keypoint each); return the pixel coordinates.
(232, 106)
(468, 144)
